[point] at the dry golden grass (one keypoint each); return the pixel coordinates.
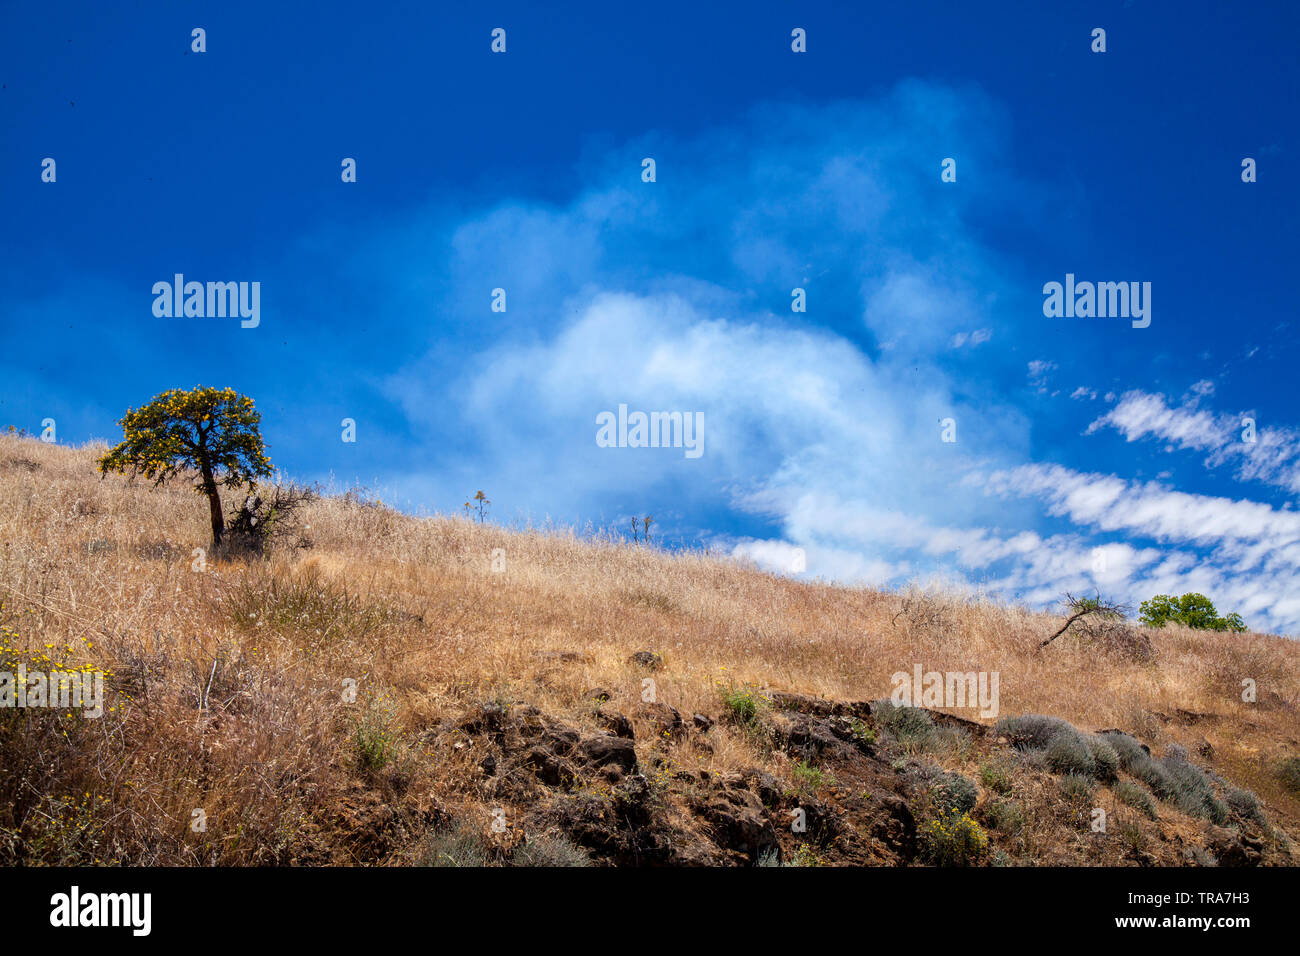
(227, 682)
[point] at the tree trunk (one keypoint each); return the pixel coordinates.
(214, 501)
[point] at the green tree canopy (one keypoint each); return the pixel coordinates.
(211, 431)
(1191, 610)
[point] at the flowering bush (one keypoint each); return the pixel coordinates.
(954, 839)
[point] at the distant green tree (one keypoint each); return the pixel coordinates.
(1191, 610)
(1234, 623)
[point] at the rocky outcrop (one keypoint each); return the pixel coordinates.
(628, 789)
(1234, 848)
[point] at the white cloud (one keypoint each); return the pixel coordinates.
(978, 337)
(1273, 457)
(1039, 373)
(813, 440)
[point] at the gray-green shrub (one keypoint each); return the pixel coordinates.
(1105, 760)
(1032, 731)
(1005, 816)
(1191, 790)
(1243, 803)
(906, 725)
(1078, 787)
(1068, 754)
(1173, 778)
(1289, 773)
(1126, 791)
(549, 850)
(954, 792)
(1137, 760)
(1063, 748)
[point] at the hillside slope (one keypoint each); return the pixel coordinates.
(504, 716)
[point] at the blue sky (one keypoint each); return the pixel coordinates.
(1088, 453)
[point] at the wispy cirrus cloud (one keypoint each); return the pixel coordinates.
(1149, 509)
(1245, 551)
(1269, 454)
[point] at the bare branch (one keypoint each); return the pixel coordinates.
(1083, 606)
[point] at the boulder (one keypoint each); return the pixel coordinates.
(666, 721)
(1233, 848)
(608, 752)
(615, 723)
(647, 659)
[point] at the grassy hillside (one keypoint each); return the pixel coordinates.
(499, 716)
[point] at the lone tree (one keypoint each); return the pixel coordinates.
(212, 431)
(1191, 610)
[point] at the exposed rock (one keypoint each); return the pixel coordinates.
(1234, 848)
(818, 706)
(868, 807)
(738, 823)
(487, 718)
(665, 720)
(895, 827)
(768, 788)
(647, 659)
(615, 723)
(551, 768)
(555, 753)
(554, 736)
(807, 736)
(621, 828)
(609, 751)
